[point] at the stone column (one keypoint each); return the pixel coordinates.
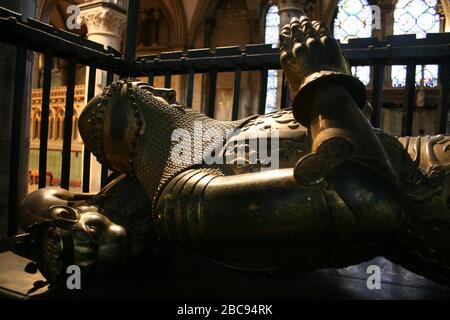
(7, 74)
(387, 29)
(289, 9)
(105, 22)
(445, 9)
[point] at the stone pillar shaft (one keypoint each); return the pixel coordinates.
(105, 22)
(387, 29)
(446, 10)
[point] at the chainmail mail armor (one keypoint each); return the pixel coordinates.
(153, 160)
(155, 163)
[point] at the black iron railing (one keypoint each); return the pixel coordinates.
(34, 36)
(31, 35)
(396, 50)
(409, 51)
(225, 59)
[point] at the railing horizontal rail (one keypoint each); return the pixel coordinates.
(16, 128)
(396, 50)
(14, 31)
(39, 36)
(45, 109)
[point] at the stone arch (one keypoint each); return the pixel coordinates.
(172, 12)
(201, 23)
(35, 123)
(205, 14)
(55, 13)
(44, 9)
(261, 13)
(228, 23)
(204, 22)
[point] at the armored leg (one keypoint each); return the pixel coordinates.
(266, 220)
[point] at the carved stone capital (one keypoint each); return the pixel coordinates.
(104, 18)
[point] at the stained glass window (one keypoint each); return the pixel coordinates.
(426, 75)
(417, 17)
(354, 20)
(272, 26)
(271, 36)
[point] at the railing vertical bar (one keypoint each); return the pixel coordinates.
(16, 128)
(109, 77)
(190, 88)
(87, 154)
(445, 87)
(284, 94)
(168, 80)
(287, 101)
(377, 92)
(132, 29)
(410, 95)
(104, 172)
(236, 93)
(68, 118)
(104, 176)
(212, 92)
(263, 90)
(45, 113)
(151, 78)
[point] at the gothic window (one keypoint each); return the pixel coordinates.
(417, 17)
(272, 26)
(354, 20)
(271, 36)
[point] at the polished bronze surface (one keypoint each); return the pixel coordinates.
(341, 193)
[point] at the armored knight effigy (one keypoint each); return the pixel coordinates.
(298, 189)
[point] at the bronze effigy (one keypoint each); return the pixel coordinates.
(341, 192)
